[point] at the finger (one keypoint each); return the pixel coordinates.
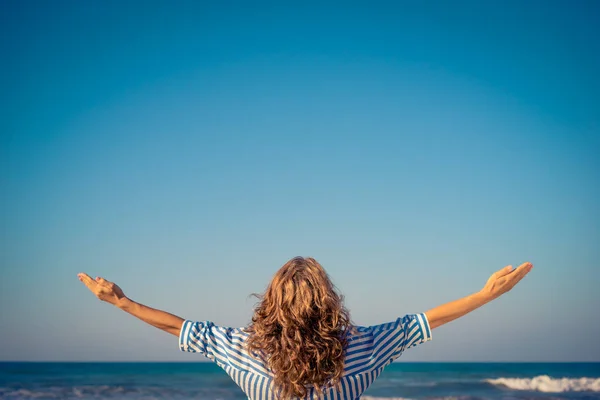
(520, 272)
(526, 265)
(504, 271)
(102, 282)
(524, 269)
(84, 277)
(87, 280)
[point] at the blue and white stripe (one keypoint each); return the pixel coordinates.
(370, 350)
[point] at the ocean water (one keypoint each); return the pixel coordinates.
(136, 381)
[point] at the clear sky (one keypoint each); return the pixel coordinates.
(187, 150)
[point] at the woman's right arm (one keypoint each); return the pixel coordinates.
(111, 293)
(499, 283)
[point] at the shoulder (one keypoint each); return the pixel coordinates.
(208, 329)
(358, 330)
(231, 333)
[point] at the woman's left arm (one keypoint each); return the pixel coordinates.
(111, 293)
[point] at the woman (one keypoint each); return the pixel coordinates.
(301, 343)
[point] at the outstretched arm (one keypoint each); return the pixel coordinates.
(499, 283)
(111, 293)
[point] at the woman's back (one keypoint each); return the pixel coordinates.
(300, 329)
(369, 350)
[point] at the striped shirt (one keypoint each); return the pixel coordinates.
(370, 350)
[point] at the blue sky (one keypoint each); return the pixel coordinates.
(186, 152)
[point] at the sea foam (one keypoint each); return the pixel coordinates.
(544, 383)
(383, 398)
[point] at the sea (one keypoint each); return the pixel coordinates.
(401, 380)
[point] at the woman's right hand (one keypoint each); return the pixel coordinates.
(499, 283)
(504, 280)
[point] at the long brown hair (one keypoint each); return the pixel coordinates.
(299, 329)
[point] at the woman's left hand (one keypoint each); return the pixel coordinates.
(102, 289)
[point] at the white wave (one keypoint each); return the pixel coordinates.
(383, 398)
(28, 394)
(406, 398)
(544, 383)
(57, 392)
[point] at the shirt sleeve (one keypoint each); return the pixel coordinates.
(392, 338)
(214, 342)
(415, 330)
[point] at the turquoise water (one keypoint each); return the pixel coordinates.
(136, 381)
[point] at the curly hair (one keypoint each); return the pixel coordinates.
(299, 329)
